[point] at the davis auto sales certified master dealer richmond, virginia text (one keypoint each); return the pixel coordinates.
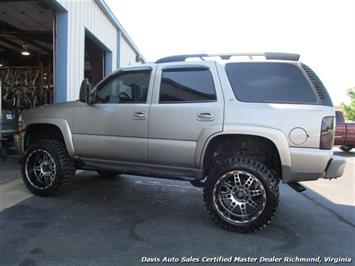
(231, 259)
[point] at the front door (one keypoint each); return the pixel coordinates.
(187, 105)
(116, 126)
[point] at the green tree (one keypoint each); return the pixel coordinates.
(349, 109)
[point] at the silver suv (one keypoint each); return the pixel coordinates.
(235, 124)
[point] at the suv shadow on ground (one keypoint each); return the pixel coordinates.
(118, 221)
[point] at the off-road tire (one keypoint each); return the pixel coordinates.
(107, 174)
(346, 148)
(64, 166)
(260, 172)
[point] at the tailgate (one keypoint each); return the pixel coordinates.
(8, 120)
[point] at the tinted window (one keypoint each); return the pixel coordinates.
(126, 87)
(269, 82)
(186, 85)
(318, 85)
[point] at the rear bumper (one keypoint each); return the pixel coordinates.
(8, 132)
(312, 164)
(335, 167)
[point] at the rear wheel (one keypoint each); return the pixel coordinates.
(46, 166)
(346, 148)
(107, 173)
(241, 194)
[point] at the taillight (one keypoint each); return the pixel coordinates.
(327, 133)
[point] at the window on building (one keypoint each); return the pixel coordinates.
(187, 86)
(269, 82)
(126, 87)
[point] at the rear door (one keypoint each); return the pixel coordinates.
(187, 103)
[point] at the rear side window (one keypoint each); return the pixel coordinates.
(269, 82)
(187, 86)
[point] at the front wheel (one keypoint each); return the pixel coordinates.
(46, 166)
(346, 148)
(241, 194)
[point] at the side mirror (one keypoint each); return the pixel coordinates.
(85, 89)
(92, 96)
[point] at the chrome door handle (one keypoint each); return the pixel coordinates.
(138, 116)
(205, 117)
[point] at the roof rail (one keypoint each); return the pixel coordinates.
(267, 55)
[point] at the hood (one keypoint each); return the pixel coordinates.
(59, 110)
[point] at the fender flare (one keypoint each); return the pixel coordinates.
(276, 136)
(63, 126)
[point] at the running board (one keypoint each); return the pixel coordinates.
(297, 186)
(143, 169)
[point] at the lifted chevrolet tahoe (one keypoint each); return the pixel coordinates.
(235, 124)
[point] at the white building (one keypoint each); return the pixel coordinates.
(66, 41)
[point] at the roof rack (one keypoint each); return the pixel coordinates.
(267, 55)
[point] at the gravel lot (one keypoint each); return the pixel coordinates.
(130, 219)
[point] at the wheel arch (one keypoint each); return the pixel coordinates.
(38, 129)
(273, 137)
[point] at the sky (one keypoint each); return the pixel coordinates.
(322, 31)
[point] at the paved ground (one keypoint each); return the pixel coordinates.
(10, 170)
(117, 222)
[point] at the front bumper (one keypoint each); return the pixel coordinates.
(311, 164)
